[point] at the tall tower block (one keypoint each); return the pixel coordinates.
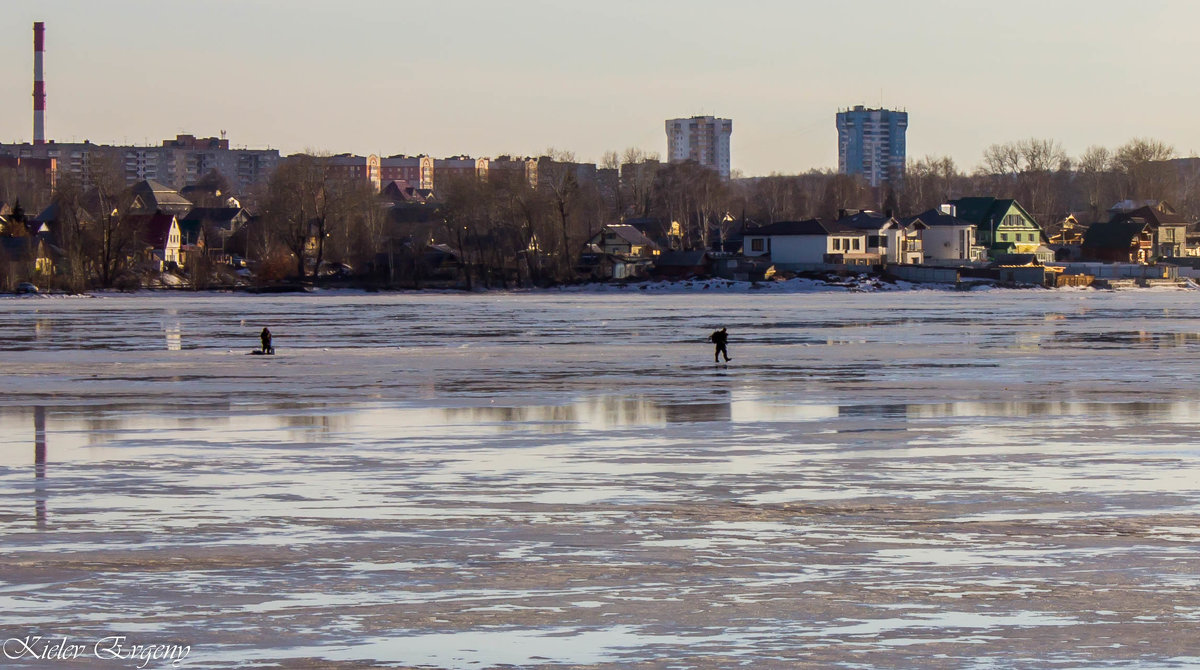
(39, 84)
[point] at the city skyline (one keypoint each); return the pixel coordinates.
(472, 78)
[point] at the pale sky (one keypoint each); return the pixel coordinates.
(484, 77)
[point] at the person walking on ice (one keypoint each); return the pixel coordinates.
(719, 338)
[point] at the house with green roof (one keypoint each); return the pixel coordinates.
(1003, 226)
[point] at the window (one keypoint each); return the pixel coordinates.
(856, 248)
(837, 244)
(756, 244)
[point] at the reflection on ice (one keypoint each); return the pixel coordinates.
(39, 461)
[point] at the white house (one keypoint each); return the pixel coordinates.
(893, 240)
(795, 243)
(948, 238)
(160, 234)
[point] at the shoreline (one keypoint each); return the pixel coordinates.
(862, 283)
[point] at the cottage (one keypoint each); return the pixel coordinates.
(1123, 241)
(400, 192)
(208, 229)
(149, 196)
(892, 240)
(792, 244)
(1002, 226)
(665, 234)
(622, 240)
(947, 237)
(1169, 229)
(161, 236)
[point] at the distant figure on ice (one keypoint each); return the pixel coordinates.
(719, 338)
(266, 342)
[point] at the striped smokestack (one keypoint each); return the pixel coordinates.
(39, 84)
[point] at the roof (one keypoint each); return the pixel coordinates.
(936, 217)
(155, 228)
(1152, 216)
(50, 214)
(222, 216)
(162, 195)
(981, 210)
(868, 220)
(807, 227)
(1113, 234)
(629, 234)
(1126, 206)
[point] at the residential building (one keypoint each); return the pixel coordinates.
(399, 192)
(43, 169)
(622, 240)
(150, 196)
(1119, 241)
(1002, 226)
(1169, 228)
(449, 170)
(947, 237)
(682, 264)
(704, 139)
(871, 143)
(176, 162)
(791, 244)
(507, 167)
(1069, 230)
(161, 236)
(208, 228)
(888, 238)
(416, 171)
(354, 168)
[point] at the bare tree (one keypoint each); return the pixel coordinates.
(114, 236)
(307, 202)
(1095, 171)
(1141, 162)
(930, 181)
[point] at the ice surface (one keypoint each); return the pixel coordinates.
(879, 479)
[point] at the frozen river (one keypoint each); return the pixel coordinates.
(932, 479)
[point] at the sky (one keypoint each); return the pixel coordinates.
(517, 77)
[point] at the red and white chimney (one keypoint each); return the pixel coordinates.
(39, 84)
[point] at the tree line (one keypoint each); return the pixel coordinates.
(505, 231)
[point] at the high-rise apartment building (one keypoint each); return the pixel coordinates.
(871, 143)
(704, 139)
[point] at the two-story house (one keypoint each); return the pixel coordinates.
(948, 238)
(1003, 226)
(1169, 229)
(893, 240)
